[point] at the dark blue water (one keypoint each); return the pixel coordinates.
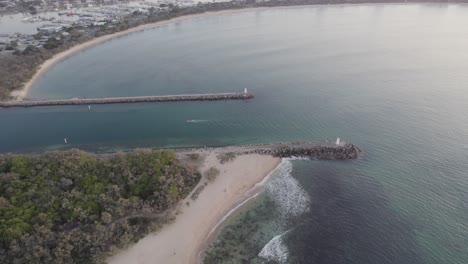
(389, 78)
(351, 220)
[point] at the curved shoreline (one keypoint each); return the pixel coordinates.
(22, 93)
(251, 194)
(19, 95)
(184, 239)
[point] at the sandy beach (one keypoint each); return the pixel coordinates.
(23, 93)
(184, 239)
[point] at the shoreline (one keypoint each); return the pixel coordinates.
(185, 240)
(249, 195)
(19, 95)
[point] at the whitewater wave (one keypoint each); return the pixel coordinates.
(297, 158)
(275, 250)
(286, 192)
(291, 200)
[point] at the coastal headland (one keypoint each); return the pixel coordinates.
(142, 206)
(242, 172)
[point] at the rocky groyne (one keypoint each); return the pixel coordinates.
(311, 150)
(134, 99)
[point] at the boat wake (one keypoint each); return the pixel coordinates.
(196, 121)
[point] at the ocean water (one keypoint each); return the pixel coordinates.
(391, 78)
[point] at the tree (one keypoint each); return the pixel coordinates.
(52, 43)
(12, 45)
(30, 50)
(73, 207)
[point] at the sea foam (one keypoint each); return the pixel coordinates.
(291, 200)
(275, 250)
(286, 192)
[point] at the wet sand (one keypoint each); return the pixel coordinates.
(184, 239)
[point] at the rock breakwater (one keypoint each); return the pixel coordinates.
(134, 99)
(311, 150)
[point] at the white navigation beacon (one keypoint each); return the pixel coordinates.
(337, 141)
(65, 140)
(245, 90)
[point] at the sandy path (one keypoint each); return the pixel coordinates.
(182, 240)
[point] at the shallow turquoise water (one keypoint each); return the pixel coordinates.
(390, 78)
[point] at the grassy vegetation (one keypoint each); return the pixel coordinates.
(71, 207)
(194, 156)
(197, 192)
(211, 174)
(226, 157)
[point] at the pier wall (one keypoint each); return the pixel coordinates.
(135, 99)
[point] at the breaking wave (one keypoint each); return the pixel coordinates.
(275, 250)
(286, 192)
(297, 158)
(291, 200)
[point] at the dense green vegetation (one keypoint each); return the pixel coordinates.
(72, 207)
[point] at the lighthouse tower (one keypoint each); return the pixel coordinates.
(245, 90)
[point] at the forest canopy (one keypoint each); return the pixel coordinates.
(73, 207)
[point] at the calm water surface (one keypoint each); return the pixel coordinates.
(390, 78)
